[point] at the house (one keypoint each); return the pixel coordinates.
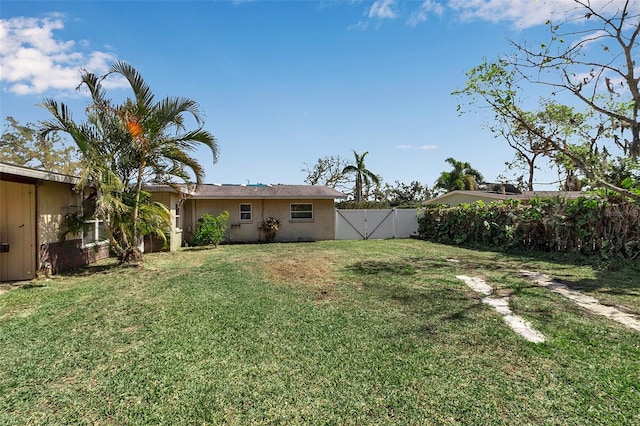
(33, 204)
(305, 212)
(454, 198)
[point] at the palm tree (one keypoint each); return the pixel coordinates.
(363, 175)
(463, 176)
(127, 145)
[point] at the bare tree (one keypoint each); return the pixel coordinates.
(589, 61)
(328, 171)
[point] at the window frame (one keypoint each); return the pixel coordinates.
(292, 212)
(249, 212)
(93, 225)
(178, 218)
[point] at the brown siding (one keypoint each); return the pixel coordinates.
(63, 256)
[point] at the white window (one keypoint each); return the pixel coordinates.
(245, 212)
(93, 232)
(302, 211)
(178, 221)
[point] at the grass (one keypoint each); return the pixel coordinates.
(348, 332)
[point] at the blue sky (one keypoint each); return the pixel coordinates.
(283, 83)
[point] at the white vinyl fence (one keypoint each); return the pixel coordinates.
(368, 224)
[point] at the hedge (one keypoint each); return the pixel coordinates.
(590, 226)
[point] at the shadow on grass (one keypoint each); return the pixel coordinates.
(429, 305)
(100, 268)
(409, 266)
(30, 285)
(433, 312)
(199, 248)
(613, 276)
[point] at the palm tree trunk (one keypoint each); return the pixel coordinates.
(135, 253)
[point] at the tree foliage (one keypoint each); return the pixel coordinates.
(123, 146)
(334, 171)
(407, 195)
(462, 176)
(21, 145)
(363, 176)
(591, 226)
(328, 171)
(587, 72)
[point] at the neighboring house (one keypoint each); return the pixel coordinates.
(305, 212)
(454, 198)
(33, 204)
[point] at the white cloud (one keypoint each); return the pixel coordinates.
(422, 147)
(525, 13)
(34, 61)
(427, 7)
(383, 9)
(520, 14)
(428, 147)
(360, 26)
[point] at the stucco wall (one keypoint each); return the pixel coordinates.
(171, 200)
(321, 227)
(54, 201)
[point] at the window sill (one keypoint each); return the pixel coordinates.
(96, 244)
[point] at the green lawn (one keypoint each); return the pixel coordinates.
(341, 332)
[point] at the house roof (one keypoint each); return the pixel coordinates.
(206, 191)
(526, 195)
(11, 172)
(255, 191)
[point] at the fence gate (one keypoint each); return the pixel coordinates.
(367, 224)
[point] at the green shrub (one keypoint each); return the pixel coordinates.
(591, 226)
(211, 229)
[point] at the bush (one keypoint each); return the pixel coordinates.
(211, 229)
(590, 226)
(270, 227)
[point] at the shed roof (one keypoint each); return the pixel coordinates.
(11, 171)
(255, 191)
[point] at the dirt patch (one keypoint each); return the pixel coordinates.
(314, 274)
(304, 271)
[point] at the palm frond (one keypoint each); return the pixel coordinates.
(170, 110)
(142, 91)
(199, 137)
